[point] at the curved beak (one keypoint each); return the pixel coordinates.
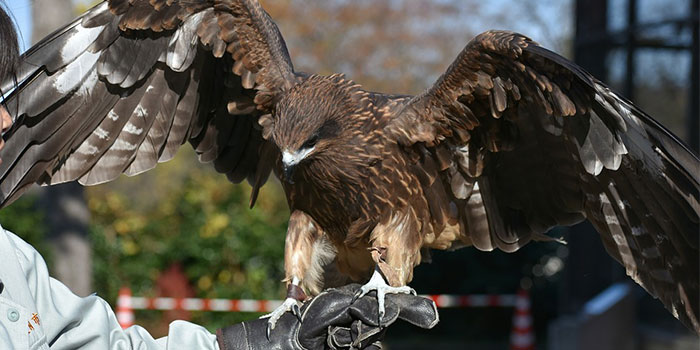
(288, 173)
(290, 161)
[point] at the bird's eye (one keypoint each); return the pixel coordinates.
(310, 143)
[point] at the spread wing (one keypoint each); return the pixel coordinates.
(519, 140)
(122, 87)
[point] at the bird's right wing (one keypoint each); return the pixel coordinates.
(514, 139)
(122, 87)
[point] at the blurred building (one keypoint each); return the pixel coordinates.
(648, 51)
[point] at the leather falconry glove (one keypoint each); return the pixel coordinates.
(331, 320)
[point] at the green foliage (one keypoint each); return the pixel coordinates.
(185, 212)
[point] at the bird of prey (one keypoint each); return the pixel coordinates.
(509, 142)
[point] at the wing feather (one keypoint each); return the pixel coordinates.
(151, 149)
(546, 144)
(122, 87)
(133, 126)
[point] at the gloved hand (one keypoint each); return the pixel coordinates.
(331, 321)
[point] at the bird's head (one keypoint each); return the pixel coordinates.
(311, 121)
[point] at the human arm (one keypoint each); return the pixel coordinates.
(68, 321)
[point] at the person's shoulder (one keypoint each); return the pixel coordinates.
(17, 240)
(23, 250)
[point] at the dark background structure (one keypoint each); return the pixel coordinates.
(594, 42)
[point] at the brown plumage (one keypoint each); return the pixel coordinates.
(511, 141)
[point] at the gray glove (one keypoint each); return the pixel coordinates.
(331, 321)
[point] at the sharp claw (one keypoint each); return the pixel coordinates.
(296, 311)
(379, 284)
(289, 304)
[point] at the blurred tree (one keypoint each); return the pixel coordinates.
(184, 213)
(403, 46)
(83, 5)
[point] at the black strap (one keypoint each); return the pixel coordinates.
(295, 292)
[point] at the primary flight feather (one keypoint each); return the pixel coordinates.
(510, 141)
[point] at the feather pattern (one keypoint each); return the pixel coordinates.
(562, 147)
(125, 85)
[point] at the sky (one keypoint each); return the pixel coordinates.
(21, 11)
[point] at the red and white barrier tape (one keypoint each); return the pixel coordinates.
(473, 300)
(522, 336)
(195, 304)
(125, 311)
(251, 305)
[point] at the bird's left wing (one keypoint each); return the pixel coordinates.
(122, 87)
(514, 139)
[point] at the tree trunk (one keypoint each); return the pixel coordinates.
(67, 215)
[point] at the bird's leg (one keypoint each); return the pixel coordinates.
(295, 296)
(382, 272)
(303, 236)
